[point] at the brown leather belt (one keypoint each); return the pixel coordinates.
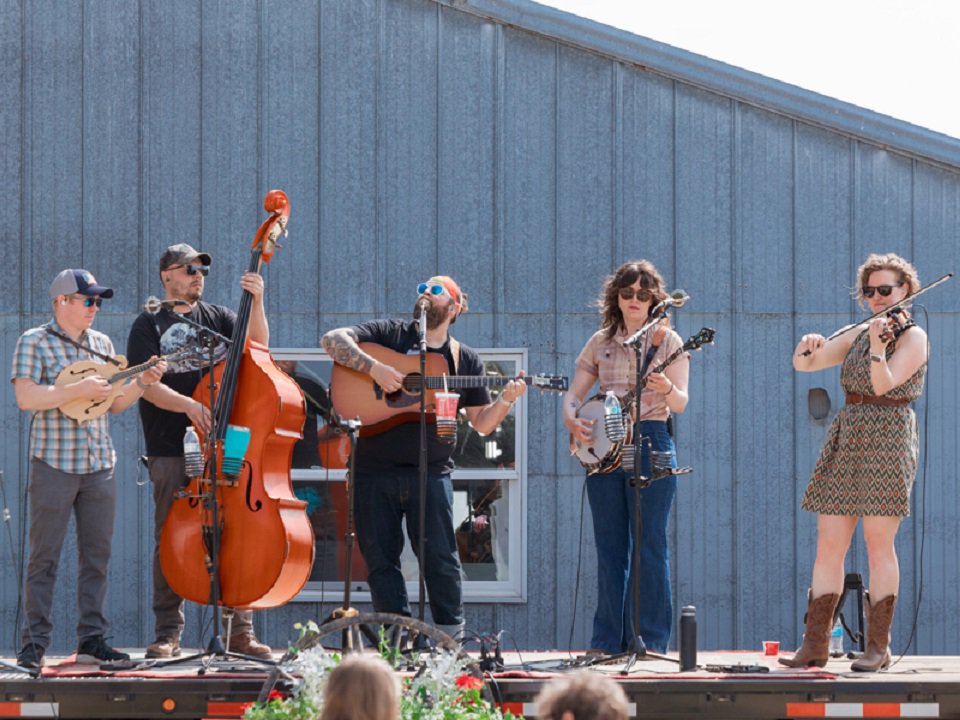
(858, 399)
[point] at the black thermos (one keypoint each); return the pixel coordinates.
(688, 638)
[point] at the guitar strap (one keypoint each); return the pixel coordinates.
(109, 358)
(455, 353)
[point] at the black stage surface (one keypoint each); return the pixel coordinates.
(727, 685)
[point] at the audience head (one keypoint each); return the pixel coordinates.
(582, 695)
(362, 687)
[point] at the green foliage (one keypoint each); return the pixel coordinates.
(444, 690)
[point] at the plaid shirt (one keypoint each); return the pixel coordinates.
(59, 441)
(616, 367)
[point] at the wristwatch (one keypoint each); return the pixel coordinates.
(877, 358)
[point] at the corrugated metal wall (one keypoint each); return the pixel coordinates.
(415, 137)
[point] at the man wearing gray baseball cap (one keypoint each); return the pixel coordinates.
(167, 409)
(71, 461)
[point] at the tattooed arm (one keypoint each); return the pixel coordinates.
(341, 345)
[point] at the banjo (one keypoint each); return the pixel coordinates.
(602, 455)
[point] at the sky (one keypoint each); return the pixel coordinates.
(897, 57)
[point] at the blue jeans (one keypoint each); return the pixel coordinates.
(612, 501)
(381, 501)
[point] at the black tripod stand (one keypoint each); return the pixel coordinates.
(852, 583)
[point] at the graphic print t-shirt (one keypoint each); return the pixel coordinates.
(166, 333)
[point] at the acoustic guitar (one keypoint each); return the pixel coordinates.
(355, 394)
(83, 409)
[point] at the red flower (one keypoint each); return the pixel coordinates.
(468, 682)
(275, 695)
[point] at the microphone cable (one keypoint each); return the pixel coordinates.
(576, 584)
(912, 637)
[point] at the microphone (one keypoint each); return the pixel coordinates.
(153, 305)
(678, 298)
(423, 303)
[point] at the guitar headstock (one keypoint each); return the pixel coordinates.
(704, 337)
(550, 383)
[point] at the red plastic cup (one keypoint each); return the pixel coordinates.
(771, 647)
(446, 407)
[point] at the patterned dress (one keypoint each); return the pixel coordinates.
(869, 458)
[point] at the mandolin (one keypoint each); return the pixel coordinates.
(83, 409)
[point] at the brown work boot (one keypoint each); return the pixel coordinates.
(879, 620)
(816, 638)
(163, 648)
(246, 644)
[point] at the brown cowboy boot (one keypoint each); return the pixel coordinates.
(879, 620)
(816, 638)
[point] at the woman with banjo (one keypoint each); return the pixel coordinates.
(629, 300)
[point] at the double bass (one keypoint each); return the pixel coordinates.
(264, 552)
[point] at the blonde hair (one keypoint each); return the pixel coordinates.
(362, 687)
(905, 270)
(584, 695)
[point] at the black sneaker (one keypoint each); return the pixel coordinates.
(95, 650)
(31, 657)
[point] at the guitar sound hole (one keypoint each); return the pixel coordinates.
(411, 384)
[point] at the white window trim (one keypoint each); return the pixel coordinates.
(511, 590)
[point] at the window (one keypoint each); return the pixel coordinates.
(489, 489)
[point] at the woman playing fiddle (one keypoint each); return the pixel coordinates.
(869, 459)
(626, 301)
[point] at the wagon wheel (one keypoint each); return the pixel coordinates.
(402, 638)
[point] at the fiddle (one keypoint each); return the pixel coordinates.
(898, 320)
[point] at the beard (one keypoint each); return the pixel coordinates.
(436, 314)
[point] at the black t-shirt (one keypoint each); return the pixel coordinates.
(400, 446)
(165, 333)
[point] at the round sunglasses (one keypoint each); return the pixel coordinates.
(628, 293)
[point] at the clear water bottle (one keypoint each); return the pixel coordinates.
(192, 457)
(613, 418)
(836, 639)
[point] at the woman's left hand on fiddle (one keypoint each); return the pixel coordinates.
(878, 328)
(660, 383)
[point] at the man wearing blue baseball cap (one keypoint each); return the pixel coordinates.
(71, 462)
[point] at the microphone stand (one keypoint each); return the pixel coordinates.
(422, 468)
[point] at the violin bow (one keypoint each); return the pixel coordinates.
(896, 305)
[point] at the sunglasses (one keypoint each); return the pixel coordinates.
(432, 288)
(884, 290)
(193, 269)
(628, 293)
(90, 301)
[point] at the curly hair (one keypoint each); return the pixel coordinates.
(583, 694)
(905, 270)
(611, 319)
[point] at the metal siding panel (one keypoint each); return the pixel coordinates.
(53, 190)
(111, 145)
(764, 212)
(12, 65)
(172, 135)
(704, 247)
(350, 184)
(705, 529)
(468, 247)
(882, 217)
(408, 139)
(823, 222)
(763, 473)
(231, 143)
(529, 174)
(646, 186)
(585, 174)
(290, 150)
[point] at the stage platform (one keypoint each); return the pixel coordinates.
(727, 685)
